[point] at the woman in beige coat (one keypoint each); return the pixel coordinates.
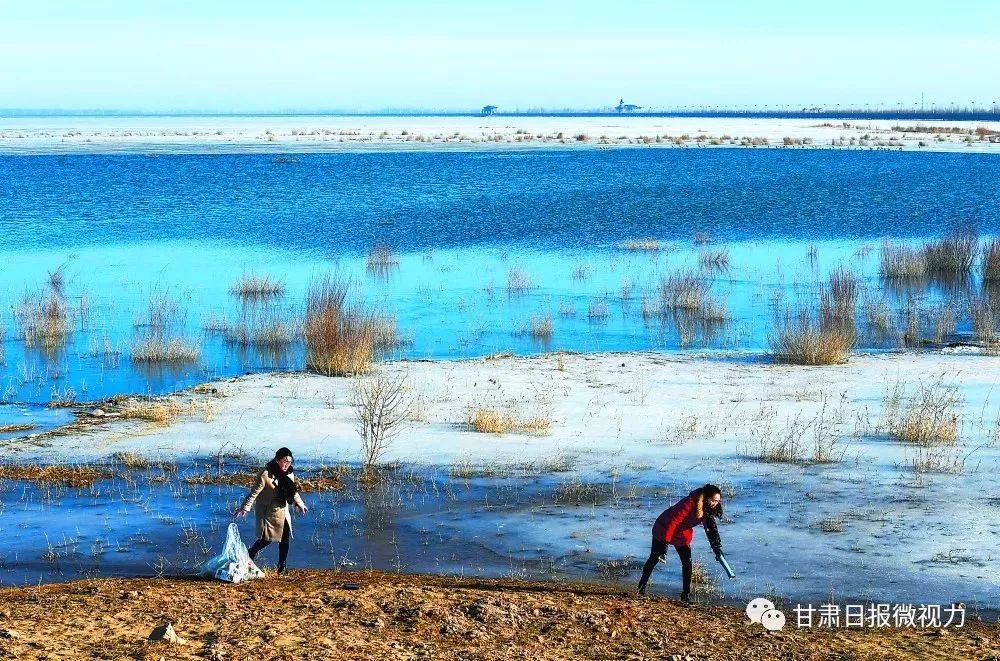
(274, 490)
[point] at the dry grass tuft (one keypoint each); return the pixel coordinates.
(151, 410)
(901, 263)
(252, 287)
(801, 340)
(342, 341)
(487, 420)
(952, 255)
(644, 245)
(381, 260)
(927, 418)
(70, 476)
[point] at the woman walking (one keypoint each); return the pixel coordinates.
(274, 490)
(675, 526)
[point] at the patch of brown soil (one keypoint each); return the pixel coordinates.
(313, 615)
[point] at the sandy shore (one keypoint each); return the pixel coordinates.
(333, 133)
(312, 615)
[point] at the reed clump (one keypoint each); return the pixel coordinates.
(250, 286)
(637, 245)
(490, 420)
(342, 340)
(381, 260)
(518, 282)
(926, 418)
(991, 262)
(541, 327)
(902, 263)
(150, 410)
(800, 339)
(156, 348)
(43, 319)
(953, 254)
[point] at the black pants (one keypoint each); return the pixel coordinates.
(261, 544)
(659, 550)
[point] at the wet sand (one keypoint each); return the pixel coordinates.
(310, 614)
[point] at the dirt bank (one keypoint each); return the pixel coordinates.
(311, 614)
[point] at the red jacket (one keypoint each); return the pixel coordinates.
(674, 526)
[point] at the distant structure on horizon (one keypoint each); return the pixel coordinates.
(626, 107)
(489, 110)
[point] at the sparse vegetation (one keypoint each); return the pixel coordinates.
(380, 403)
(490, 420)
(801, 339)
(250, 286)
(341, 340)
(381, 260)
(926, 418)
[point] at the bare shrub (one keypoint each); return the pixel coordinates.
(379, 400)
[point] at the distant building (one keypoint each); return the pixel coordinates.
(626, 107)
(489, 110)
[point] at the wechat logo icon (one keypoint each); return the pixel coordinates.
(762, 611)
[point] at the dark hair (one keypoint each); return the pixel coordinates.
(283, 452)
(707, 492)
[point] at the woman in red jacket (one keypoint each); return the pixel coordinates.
(675, 526)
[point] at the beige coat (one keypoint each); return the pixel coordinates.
(271, 518)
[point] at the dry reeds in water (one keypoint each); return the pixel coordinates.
(800, 339)
(714, 260)
(156, 348)
(637, 245)
(598, 311)
(518, 282)
(985, 318)
(991, 262)
(43, 320)
(901, 263)
(952, 255)
(342, 340)
(927, 418)
(541, 327)
(252, 287)
(381, 260)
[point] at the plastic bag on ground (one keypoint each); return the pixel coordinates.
(233, 564)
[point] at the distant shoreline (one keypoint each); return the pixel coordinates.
(276, 134)
(933, 115)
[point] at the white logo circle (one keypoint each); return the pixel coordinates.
(758, 607)
(773, 620)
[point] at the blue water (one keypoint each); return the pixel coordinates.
(335, 204)
(123, 227)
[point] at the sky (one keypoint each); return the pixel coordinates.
(376, 55)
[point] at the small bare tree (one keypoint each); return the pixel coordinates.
(380, 402)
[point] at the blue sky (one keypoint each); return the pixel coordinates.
(229, 56)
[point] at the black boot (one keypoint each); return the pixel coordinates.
(685, 599)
